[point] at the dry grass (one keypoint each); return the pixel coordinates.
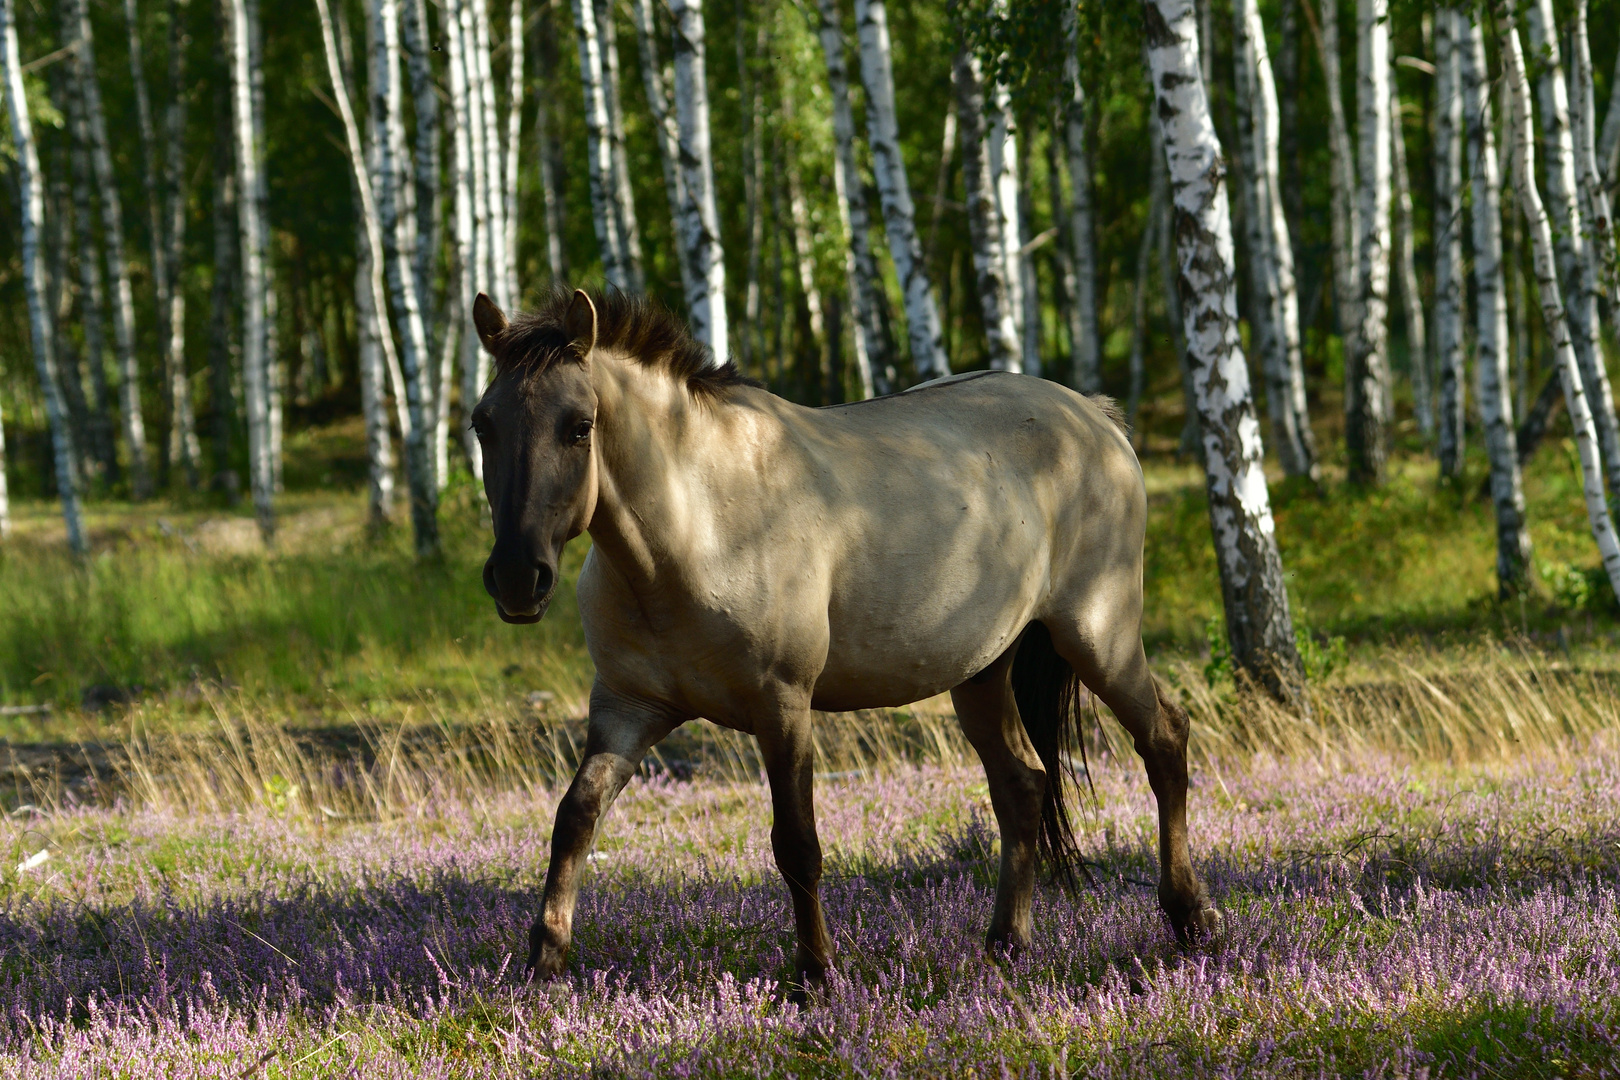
(1488, 702)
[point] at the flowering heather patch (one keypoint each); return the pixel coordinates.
(1386, 920)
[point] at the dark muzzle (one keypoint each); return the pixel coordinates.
(520, 584)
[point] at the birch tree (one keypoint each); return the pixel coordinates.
(1552, 307)
(514, 143)
(550, 154)
(1258, 624)
(860, 267)
(183, 444)
(1000, 140)
(1271, 255)
(1344, 208)
(464, 174)
(984, 218)
(371, 297)
(274, 369)
(1367, 349)
(1417, 338)
(1452, 89)
(698, 223)
(253, 286)
(121, 294)
(1575, 271)
(1495, 402)
(32, 199)
(624, 203)
(415, 360)
(606, 215)
(1601, 253)
(666, 134)
(894, 190)
(1084, 348)
(414, 36)
(487, 118)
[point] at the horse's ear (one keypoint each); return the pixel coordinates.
(489, 321)
(579, 323)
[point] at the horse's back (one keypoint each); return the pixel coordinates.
(954, 514)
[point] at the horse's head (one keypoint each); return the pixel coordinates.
(534, 424)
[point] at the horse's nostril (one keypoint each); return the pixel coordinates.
(543, 577)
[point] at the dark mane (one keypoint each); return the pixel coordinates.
(637, 326)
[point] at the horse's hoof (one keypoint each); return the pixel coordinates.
(546, 957)
(1205, 926)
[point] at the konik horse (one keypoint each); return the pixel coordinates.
(753, 560)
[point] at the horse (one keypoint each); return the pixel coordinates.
(753, 560)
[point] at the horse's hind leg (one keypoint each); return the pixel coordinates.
(1112, 664)
(784, 742)
(989, 718)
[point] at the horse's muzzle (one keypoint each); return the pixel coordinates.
(521, 593)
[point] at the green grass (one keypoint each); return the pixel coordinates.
(177, 593)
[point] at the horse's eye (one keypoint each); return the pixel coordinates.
(582, 432)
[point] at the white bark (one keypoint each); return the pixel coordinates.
(184, 447)
(1608, 144)
(487, 117)
(370, 293)
(122, 296)
(1258, 624)
(1600, 249)
(415, 359)
(252, 255)
(549, 151)
(624, 202)
(474, 361)
(1344, 209)
(1275, 300)
(605, 215)
(416, 34)
(514, 144)
(698, 224)
(1575, 272)
(31, 189)
(1417, 338)
(1084, 346)
(984, 219)
(899, 216)
(1495, 402)
(1552, 307)
(1028, 280)
(663, 115)
(860, 267)
(1001, 150)
(1452, 89)
(275, 372)
(1367, 349)
(477, 134)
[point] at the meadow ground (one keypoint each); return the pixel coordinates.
(286, 814)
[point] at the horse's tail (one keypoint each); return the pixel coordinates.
(1048, 694)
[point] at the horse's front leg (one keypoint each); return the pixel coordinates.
(784, 740)
(620, 733)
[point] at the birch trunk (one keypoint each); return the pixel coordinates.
(59, 300)
(1138, 371)
(750, 340)
(1367, 349)
(984, 220)
(1271, 255)
(104, 445)
(1192, 440)
(477, 134)
(605, 214)
(415, 359)
(1495, 402)
(1258, 624)
(154, 214)
(30, 189)
(1001, 150)
(184, 447)
(415, 36)
(1085, 349)
(1344, 211)
(251, 258)
(514, 144)
(221, 340)
(122, 296)
(1024, 256)
(804, 262)
(624, 202)
(371, 298)
(1608, 144)
(274, 369)
(1417, 338)
(487, 117)
(899, 216)
(551, 170)
(860, 267)
(1601, 254)
(698, 223)
(1552, 308)
(663, 114)
(1458, 81)
(1575, 272)
(474, 365)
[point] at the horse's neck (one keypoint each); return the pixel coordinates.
(648, 432)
